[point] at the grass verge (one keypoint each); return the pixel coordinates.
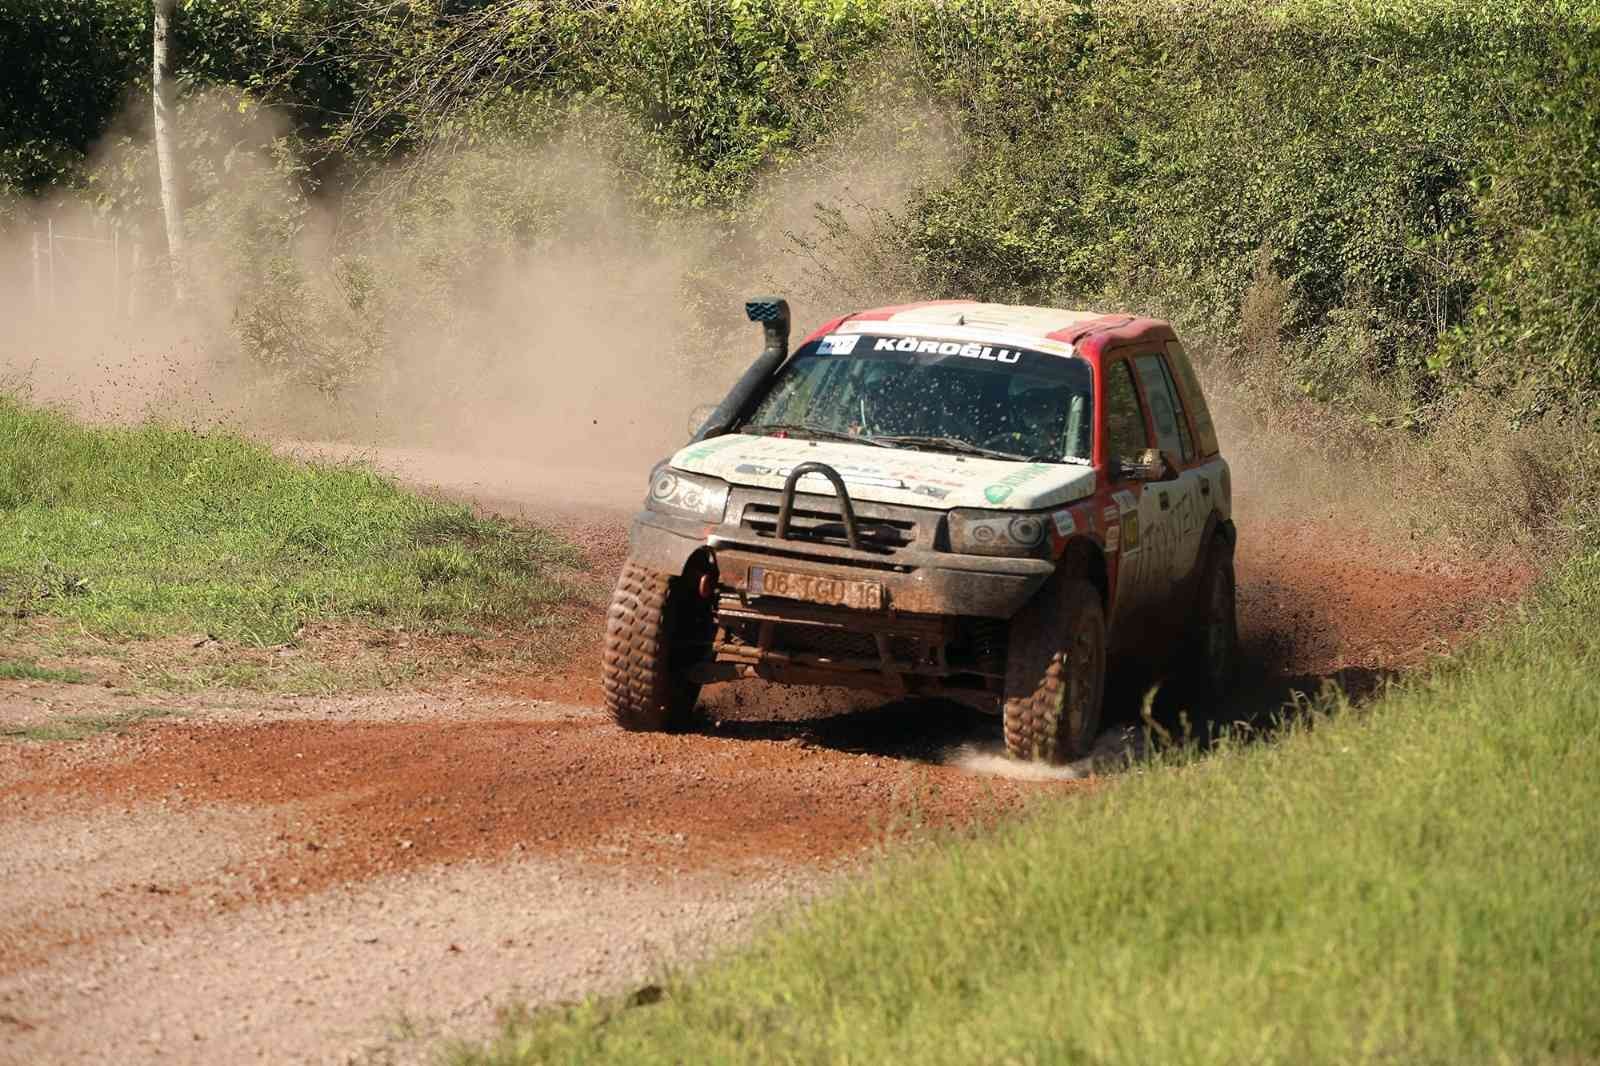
(1413, 882)
(83, 726)
(18, 670)
(152, 531)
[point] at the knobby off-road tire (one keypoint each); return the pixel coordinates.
(1055, 673)
(1211, 650)
(643, 690)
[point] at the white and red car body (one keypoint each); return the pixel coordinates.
(1142, 541)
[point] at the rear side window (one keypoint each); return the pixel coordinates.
(1204, 429)
(1166, 409)
(1126, 435)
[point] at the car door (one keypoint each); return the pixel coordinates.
(1178, 505)
(1127, 435)
(1216, 486)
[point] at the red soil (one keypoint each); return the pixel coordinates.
(356, 799)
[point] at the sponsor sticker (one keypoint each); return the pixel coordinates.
(987, 352)
(838, 344)
(711, 447)
(851, 475)
(1127, 500)
(1001, 490)
(1065, 526)
(1112, 519)
(1130, 534)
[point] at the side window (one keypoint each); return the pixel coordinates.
(1126, 435)
(1166, 410)
(1204, 429)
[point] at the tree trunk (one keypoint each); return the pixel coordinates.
(166, 153)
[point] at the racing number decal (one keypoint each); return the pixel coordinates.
(1184, 515)
(1140, 547)
(1153, 538)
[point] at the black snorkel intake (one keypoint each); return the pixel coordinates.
(773, 314)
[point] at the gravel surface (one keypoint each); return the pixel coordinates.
(376, 972)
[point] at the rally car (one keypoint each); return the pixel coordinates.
(966, 500)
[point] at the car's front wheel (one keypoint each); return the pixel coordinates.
(645, 690)
(1055, 673)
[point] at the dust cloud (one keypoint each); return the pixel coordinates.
(517, 305)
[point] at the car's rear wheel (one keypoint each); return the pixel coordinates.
(645, 690)
(1055, 673)
(1213, 644)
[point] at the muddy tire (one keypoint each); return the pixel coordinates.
(1055, 673)
(1211, 651)
(644, 692)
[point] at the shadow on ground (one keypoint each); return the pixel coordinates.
(1266, 699)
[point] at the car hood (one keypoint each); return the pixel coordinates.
(889, 475)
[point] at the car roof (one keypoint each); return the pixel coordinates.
(1002, 321)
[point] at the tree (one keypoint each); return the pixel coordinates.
(166, 156)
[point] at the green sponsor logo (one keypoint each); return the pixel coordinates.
(1001, 490)
(710, 448)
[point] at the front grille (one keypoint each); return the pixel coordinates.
(880, 535)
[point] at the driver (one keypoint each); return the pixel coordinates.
(1032, 425)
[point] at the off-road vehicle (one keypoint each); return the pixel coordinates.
(960, 499)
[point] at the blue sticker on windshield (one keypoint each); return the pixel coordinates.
(838, 344)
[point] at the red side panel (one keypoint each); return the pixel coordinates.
(1071, 333)
(824, 331)
(877, 314)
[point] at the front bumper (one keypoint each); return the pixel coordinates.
(916, 581)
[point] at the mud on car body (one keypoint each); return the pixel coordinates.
(975, 501)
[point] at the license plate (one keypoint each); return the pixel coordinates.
(813, 588)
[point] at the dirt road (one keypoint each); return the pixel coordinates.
(346, 879)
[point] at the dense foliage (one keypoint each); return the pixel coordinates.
(1400, 192)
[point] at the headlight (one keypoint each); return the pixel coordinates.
(674, 492)
(998, 533)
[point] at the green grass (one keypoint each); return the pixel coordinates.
(81, 727)
(1416, 882)
(154, 530)
(17, 670)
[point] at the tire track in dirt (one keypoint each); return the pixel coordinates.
(355, 800)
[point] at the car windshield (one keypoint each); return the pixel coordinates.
(938, 395)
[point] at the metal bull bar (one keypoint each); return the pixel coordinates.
(852, 537)
(786, 506)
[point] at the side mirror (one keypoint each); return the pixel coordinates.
(1151, 465)
(698, 416)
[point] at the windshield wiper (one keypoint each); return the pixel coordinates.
(820, 432)
(952, 444)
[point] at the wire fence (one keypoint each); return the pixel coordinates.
(74, 270)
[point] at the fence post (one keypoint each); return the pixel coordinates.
(135, 277)
(50, 225)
